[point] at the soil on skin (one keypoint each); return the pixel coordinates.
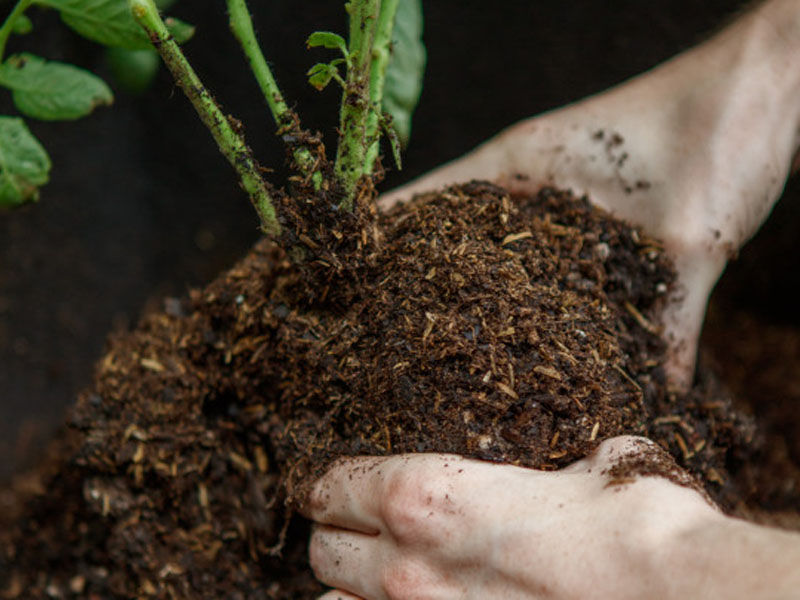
(509, 329)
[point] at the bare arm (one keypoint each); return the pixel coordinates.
(731, 558)
(696, 151)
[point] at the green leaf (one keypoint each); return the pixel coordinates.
(320, 75)
(22, 25)
(51, 90)
(110, 22)
(406, 67)
(327, 39)
(24, 164)
(133, 70)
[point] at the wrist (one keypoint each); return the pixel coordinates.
(688, 559)
(640, 534)
(726, 557)
(668, 520)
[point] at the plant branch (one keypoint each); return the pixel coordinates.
(381, 53)
(351, 151)
(8, 24)
(242, 27)
(231, 142)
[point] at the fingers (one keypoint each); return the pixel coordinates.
(366, 494)
(347, 560)
(347, 495)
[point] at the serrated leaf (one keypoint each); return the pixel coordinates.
(110, 22)
(52, 90)
(22, 25)
(24, 164)
(406, 68)
(327, 39)
(133, 70)
(320, 75)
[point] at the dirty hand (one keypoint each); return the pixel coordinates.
(695, 151)
(440, 526)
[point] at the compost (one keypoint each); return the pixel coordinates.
(515, 329)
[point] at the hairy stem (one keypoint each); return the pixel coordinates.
(231, 142)
(351, 151)
(381, 53)
(8, 24)
(242, 27)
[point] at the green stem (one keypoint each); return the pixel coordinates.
(381, 53)
(8, 25)
(242, 27)
(231, 143)
(351, 151)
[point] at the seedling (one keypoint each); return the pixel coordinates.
(380, 86)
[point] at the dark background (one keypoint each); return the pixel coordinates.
(141, 205)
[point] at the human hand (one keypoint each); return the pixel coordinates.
(440, 526)
(695, 152)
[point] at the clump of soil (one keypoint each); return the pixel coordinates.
(509, 329)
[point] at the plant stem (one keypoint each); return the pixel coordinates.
(351, 151)
(231, 142)
(381, 53)
(242, 27)
(8, 24)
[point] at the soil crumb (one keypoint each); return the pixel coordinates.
(645, 459)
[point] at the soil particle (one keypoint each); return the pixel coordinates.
(520, 330)
(645, 459)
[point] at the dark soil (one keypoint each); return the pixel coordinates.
(759, 361)
(119, 242)
(511, 329)
(141, 205)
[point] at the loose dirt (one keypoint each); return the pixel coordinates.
(520, 330)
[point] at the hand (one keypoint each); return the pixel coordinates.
(695, 151)
(439, 526)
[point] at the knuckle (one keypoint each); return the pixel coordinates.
(615, 448)
(316, 499)
(413, 508)
(407, 578)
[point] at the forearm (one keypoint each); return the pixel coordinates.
(730, 558)
(769, 39)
